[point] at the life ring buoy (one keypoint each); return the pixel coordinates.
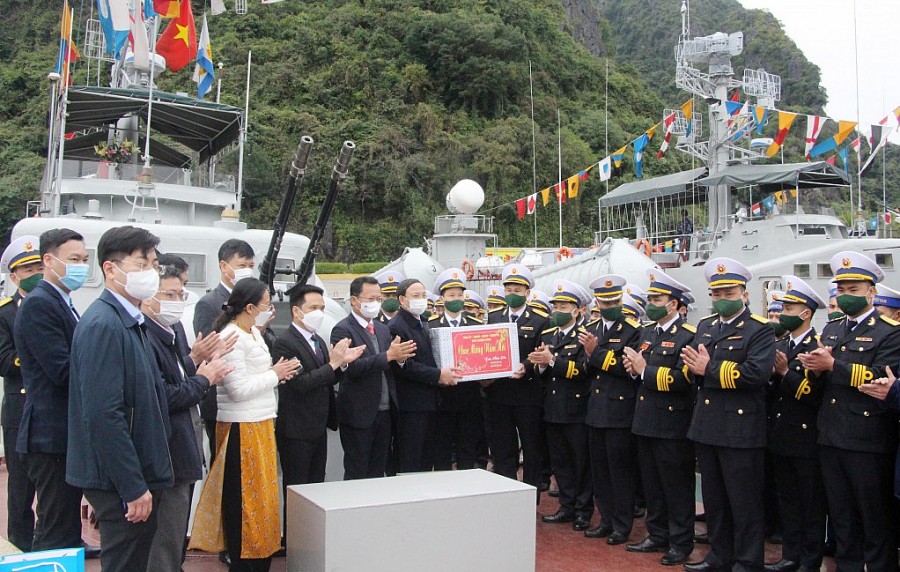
(468, 268)
(643, 246)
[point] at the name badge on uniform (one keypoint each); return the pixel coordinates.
(735, 337)
(863, 339)
(705, 335)
(668, 344)
(526, 327)
(570, 347)
(615, 340)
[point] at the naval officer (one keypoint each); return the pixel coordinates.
(887, 302)
(731, 359)
(857, 435)
(390, 304)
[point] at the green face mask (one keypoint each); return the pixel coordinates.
(390, 305)
(28, 284)
(790, 323)
(778, 328)
(515, 300)
(426, 315)
(611, 314)
(655, 312)
(454, 306)
(835, 316)
(852, 305)
(560, 319)
(727, 308)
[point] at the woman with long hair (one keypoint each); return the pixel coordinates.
(238, 508)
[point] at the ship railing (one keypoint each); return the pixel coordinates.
(463, 223)
(102, 170)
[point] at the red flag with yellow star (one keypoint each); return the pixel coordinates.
(178, 43)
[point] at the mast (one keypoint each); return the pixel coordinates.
(240, 181)
(533, 151)
(559, 187)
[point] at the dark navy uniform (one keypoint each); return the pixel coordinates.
(20, 489)
(610, 412)
(795, 456)
(515, 404)
(566, 389)
(458, 422)
(662, 417)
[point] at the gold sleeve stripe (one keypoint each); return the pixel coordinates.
(609, 361)
(728, 374)
(572, 371)
(803, 389)
(686, 370)
(860, 374)
(664, 378)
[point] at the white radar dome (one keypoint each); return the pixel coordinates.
(466, 197)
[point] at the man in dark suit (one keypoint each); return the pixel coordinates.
(306, 402)
(43, 333)
(561, 363)
(731, 359)
(662, 416)
(610, 410)
(514, 403)
(367, 393)
(417, 380)
(857, 435)
(793, 433)
(458, 421)
(118, 421)
(235, 262)
(22, 259)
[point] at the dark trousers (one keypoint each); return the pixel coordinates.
(770, 498)
(732, 500)
(58, 504)
(366, 450)
(414, 429)
(667, 471)
(302, 462)
(19, 495)
(858, 486)
(456, 431)
(126, 545)
(614, 472)
(210, 427)
(510, 425)
(568, 444)
(801, 500)
(232, 504)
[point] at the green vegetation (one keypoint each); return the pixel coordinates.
(432, 91)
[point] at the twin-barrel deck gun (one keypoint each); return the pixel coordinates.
(267, 269)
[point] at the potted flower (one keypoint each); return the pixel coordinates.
(115, 153)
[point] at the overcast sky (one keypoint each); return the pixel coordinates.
(823, 30)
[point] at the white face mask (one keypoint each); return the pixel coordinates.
(262, 319)
(369, 309)
(313, 320)
(170, 312)
(417, 306)
(142, 285)
(240, 274)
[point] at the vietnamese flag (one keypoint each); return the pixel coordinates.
(178, 43)
(168, 8)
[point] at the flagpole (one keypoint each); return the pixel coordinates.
(605, 145)
(62, 129)
(856, 59)
(240, 181)
(533, 152)
(559, 190)
(145, 173)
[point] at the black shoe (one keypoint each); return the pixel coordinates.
(615, 538)
(639, 512)
(647, 545)
(599, 532)
(775, 538)
(702, 566)
(581, 523)
(783, 566)
(673, 557)
(701, 538)
(224, 558)
(560, 516)
(91, 552)
(553, 493)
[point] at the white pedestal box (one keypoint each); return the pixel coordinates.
(435, 522)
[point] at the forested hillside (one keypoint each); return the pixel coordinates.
(432, 91)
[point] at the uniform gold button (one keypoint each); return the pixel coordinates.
(777, 415)
(642, 398)
(671, 408)
(730, 347)
(798, 368)
(577, 396)
(740, 411)
(833, 401)
(706, 401)
(860, 349)
(596, 391)
(843, 348)
(621, 398)
(554, 392)
(22, 391)
(804, 426)
(866, 413)
(556, 354)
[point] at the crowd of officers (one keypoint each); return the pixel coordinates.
(614, 393)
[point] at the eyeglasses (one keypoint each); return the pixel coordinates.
(176, 295)
(141, 266)
(367, 300)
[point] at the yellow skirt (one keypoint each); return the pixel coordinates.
(260, 515)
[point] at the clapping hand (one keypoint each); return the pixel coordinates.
(818, 360)
(880, 387)
(286, 369)
(634, 361)
(696, 360)
(215, 370)
(781, 363)
(589, 342)
(541, 356)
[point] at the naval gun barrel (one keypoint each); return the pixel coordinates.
(267, 269)
(338, 175)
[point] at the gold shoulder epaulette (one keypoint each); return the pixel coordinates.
(884, 318)
(540, 312)
(500, 309)
(476, 320)
(709, 317)
(591, 323)
(633, 323)
(435, 317)
(689, 328)
(550, 330)
(5, 301)
(759, 319)
(836, 319)
(582, 329)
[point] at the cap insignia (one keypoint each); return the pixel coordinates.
(28, 246)
(846, 262)
(721, 269)
(608, 283)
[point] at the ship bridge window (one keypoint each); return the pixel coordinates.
(884, 259)
(801, 270)
(823, 270)
(196, 266)
(813, 231)
(285, 263)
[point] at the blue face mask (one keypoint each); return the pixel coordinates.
(75, 277)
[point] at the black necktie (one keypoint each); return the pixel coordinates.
(513, 317)
(850, 325)
(74, 311)
(792, 345)
(454, 323)
(320, 355)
